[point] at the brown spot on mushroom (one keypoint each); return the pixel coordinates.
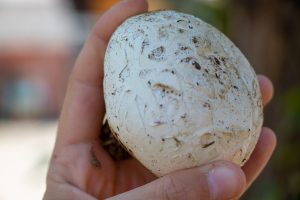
(165, 88)
(183, 48)
(158, 123)
(217, 61)
(144, 44)
(178, 142)
(181, 30)
(187, 59)
(207, 145)
(130, 151)
(207, 140)
(221, 95)
(141, 31)
(223, 60)
(237, 155)
(207, 105)
(227, 136)
(195, 40)
(214, 60)
(157, 54)
(196, 65)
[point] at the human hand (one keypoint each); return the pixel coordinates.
(71, 174)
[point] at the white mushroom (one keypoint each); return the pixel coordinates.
(179, 93)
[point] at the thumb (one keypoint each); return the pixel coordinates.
(218, 180)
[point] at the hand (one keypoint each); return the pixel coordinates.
(71, 174)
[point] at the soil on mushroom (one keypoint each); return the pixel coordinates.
(111, 144)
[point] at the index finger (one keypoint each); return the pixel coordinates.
(83, 108)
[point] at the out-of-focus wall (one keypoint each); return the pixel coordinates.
(36, 40)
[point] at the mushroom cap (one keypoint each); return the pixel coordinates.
(179, 93)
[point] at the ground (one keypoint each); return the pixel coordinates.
(25, 150)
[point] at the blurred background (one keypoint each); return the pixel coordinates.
(39, 41)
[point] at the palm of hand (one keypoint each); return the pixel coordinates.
(110, 177)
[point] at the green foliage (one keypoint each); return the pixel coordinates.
(212, 13)
(292, 107)
(265, 190)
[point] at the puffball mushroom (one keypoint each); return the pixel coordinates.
(179, 93)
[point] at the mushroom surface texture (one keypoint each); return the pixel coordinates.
(179, 93)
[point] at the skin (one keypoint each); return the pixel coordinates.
(71, 174)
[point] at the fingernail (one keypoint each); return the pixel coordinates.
(225, 182)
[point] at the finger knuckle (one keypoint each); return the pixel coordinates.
(171, 189)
